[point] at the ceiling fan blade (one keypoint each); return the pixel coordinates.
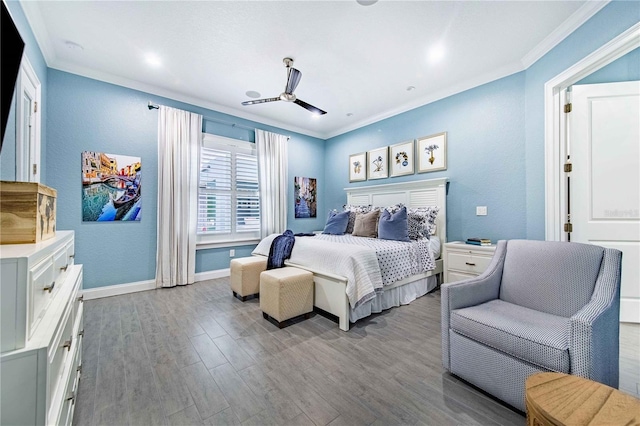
(293, 78)
(309, 107)
(260, 101)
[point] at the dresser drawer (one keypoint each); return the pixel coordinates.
(41, 288)
(60, 264)
(71, 252)
(63, 415)
(60, 351)
(468, 262)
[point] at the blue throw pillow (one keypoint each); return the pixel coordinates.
(336, 223)
(393, 226)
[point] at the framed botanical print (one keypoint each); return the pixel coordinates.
(401, 156)
(431, 153)
(358, 167)
(378, 163)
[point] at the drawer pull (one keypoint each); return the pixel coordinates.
(50, 288)
(81, 333)
(72, 398)
(80, 298)
(469, 263)
(67, 344)
(64, 268)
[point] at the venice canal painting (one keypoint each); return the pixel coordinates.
(110, 187)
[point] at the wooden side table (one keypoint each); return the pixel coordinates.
(561, 399)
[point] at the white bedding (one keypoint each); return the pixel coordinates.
(366, 263)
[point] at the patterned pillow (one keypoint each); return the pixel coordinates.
(429, 214)
(352, 215)
(416, 225)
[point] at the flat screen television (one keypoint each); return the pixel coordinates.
(12, 47)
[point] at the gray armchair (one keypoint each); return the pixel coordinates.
(539, 306)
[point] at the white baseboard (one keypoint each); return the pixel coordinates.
(116, 290)
(629, 310)
(210, 275)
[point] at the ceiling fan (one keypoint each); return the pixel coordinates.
(293, 78)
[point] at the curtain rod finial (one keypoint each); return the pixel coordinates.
(152, 106)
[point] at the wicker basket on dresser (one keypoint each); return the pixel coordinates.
(41, 331)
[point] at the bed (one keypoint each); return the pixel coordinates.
(377, 288)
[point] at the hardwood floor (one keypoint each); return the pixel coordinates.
(196, 355)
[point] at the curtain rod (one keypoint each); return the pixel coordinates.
(216, 120)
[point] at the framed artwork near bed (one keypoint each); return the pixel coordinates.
(401, 156)
(305, 197)
(358, 167)
(431, 153)
(378, 163)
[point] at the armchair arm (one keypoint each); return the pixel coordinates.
(474, 291)
(594, 341)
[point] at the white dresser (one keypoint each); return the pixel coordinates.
(463, 261)
(41, 331)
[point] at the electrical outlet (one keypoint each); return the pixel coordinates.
(232, 252)
(481, 210)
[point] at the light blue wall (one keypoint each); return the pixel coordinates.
(485, 156)
(36, 59)
(495, 152)
(89, 115)
(496, 137)
(607, 24)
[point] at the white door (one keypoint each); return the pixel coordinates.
(605, 180)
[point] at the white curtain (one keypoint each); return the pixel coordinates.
(179, 134)
(272, 165)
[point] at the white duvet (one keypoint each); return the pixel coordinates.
(366, 263)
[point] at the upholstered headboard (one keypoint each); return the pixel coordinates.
(421, 193)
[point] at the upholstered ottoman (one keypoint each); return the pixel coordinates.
(245, 275)
(286, 293)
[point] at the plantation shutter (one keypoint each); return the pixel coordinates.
(228, 194)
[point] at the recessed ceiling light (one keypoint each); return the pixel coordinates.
(436, 53)
(153, 59)
(349, 114)
(252, 94)
(73, 46)
(410, 88)
(366, 2)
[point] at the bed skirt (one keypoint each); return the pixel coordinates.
(396, 296)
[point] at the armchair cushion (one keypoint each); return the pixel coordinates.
(550, 276)
(533, 336)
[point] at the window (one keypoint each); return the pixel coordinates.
(228, 197)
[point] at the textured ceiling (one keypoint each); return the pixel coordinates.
(354, 59)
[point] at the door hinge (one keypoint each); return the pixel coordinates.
(35, 107)
(568, 227)
(35, 169)
(568, 167)
(567, 108)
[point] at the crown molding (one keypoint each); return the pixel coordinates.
(39, 29)
(572, 23)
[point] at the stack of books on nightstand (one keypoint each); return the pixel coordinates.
(479, 241)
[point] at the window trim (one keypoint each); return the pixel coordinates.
(234, 239)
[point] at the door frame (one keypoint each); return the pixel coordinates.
(554, 132)
(28, 148)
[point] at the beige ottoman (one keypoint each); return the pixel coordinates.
(286, 293)
(245, 275)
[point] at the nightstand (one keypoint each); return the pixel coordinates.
(463, 261)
